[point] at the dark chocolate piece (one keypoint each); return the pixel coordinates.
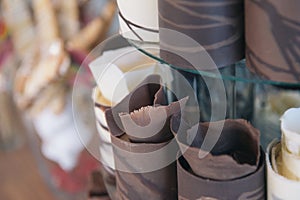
(130, 158)
(218, 26)
(146, 94)
(156, 119)
(272, 39)
(145, 167)
(191, 186)
(235, 154)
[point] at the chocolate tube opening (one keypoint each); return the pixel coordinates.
(191, 186)
(236, 153)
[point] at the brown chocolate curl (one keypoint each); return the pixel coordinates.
(235, 154)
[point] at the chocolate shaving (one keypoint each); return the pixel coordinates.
(151, 124)
(148, 92)
(236, 153)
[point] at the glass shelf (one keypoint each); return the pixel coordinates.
(146, 48)
(258, 100)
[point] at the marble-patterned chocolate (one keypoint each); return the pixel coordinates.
(236, 153)
(273, 39)
(138, 171)
(191, 186)
(218, 26)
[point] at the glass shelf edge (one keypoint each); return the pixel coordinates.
(141, 46)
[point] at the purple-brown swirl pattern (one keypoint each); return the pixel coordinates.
(217, 25)
(273, 39)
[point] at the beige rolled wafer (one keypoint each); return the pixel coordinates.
(93, 31)
(47, 25)
(279, 187)
(20, 24)
(290, 128)
(51, 67)
(291, 164)
(53, 96)
(290, 147)
(68, 18)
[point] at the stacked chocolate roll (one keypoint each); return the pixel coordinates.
(143, 145)
(115, 78)
(272, 37)
(216, 27)
(283, 159)
(232, 169)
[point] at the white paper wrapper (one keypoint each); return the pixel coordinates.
(142, 13)
(60, 140)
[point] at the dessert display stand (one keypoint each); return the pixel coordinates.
(255, 99)
(258, 100)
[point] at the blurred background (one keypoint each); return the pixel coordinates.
(42, 45)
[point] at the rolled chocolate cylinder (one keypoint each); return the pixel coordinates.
(139, 19)
(236, 153)
(157, 184)
(148, 93)
(191, 186)
(218, 26)
(145, 166)
(272, 28)
(279, 187)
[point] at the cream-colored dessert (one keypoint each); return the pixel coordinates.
(279, 186)
(283, 159)
(139, 19)
(290, 128)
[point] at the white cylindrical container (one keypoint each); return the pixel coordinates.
(139, 20)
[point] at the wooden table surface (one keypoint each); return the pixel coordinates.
(19, 175)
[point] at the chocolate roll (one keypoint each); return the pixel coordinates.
(191, 186)
(232, 169)
(272, 39)
(218, 26)
(157, 184)
(144, 155)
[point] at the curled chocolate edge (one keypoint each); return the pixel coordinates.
(235, 155)
(191, 186)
